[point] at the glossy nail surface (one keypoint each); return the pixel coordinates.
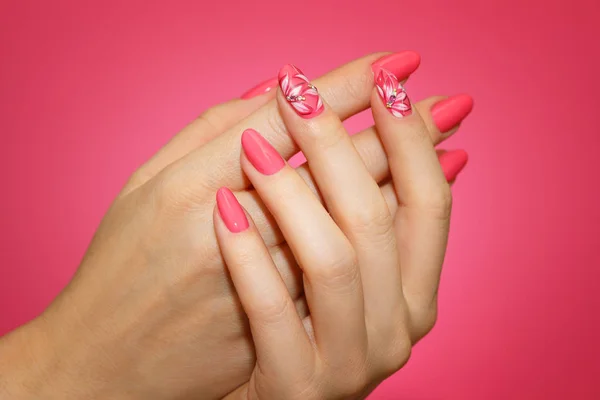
(400, 64)
(392, 94)
(260, 153)
(299, 92)
(261, 88)
(231, 211)
(451, 111)
(453, 162)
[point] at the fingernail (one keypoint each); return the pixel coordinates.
(260, 153)
(261, 88)
(451, 111)
(453, 162)
(392, 94)
(231, 211)
(400, 64)
(299, 92)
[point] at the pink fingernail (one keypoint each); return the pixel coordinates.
(231, 211)
(299, 92)
(261, 88)
(400, 64)
(453, 162)
(260, 153)
(451, 111)
(392, 94)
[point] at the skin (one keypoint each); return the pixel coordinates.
(151, 312)
(370, 276)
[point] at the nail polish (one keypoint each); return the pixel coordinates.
(400, 64)
(231, 211)
(299, 92)
(261, 88)
(453, 161)
(392, 94)
(260, 153)
(451, 111)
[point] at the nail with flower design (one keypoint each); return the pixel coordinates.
(393, 94)
(299, 92)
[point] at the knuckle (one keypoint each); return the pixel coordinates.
(269, 309)
(399, 354)
(325, 136)
(437, 201)
(376, 218)
(170, 195)
(337, 270)
(211, 119)
(425, 322)
(395, 355)
(357, 88)
(430, 320)
(275, 122)
(441, 201)
(352, 381)
(138, 178)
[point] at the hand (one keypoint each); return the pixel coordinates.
(151, 311)
(370, 277)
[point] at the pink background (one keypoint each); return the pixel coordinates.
(88, 90)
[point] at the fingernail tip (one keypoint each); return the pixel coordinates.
(248, 131)
(223, 191)
(285, 69)
(262, 88)
(466, 99)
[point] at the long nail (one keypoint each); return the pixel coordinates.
(392, 94)
(453, 162)
(231, 211)
(260, 153)
(400, 64)
(451, 111)
(261, 88)
(299, 92)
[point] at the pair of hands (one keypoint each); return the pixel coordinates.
(152, 313)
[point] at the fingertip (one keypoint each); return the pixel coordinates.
(401, 64)
(231, 211)
(453, 162)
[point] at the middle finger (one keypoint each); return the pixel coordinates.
(349, 192)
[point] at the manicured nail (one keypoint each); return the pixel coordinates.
(400, 64)
(451, 111)
(260, 153)
(453, 162)
(392, 94)
(261, 88)
(231, 211)
(299, 92)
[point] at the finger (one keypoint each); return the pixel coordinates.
(453, 111)
(331, 278)
(422, 220)
(346, 90)
(451, 164)
(288, 269)
(207, 126)
(350, 194)
(279, 337)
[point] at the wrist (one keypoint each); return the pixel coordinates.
(41, 360)
(25, 362)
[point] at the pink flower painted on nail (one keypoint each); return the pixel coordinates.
(299, 92)
(393, 94)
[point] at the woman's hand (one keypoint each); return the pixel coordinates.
(370, 276)
(151, 311)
